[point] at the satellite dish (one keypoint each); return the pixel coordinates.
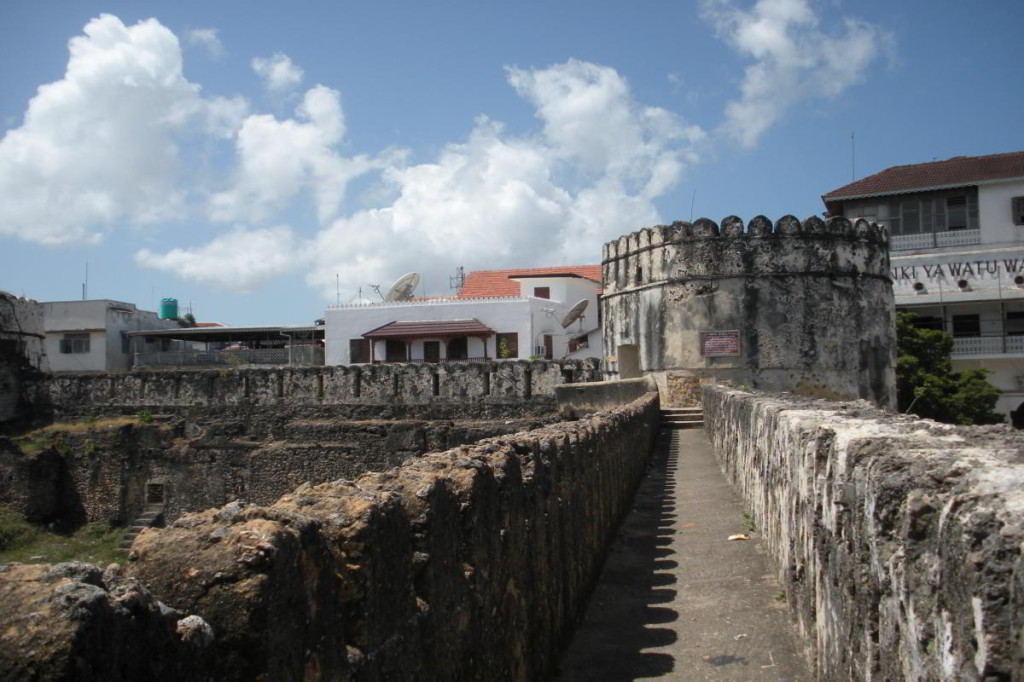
(575, 312)
(402, 289)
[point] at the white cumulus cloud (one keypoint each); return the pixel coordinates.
(277, 159)
(207, 39)
(278, 71)
(100, 147)
(497, 200)
(793, 59)
(239, 260)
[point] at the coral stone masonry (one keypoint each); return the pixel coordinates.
(802, 306)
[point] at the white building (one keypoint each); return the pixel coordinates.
(957, 250)
(93, 335)
(498, 314)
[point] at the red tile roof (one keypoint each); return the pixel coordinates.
(960, 170)
(430, 328)
(498, 283)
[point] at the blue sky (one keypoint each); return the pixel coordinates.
(260, 161)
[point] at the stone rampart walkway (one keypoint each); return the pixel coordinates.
(678, 600)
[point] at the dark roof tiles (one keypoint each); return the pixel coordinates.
(430, 328)
(960, 170)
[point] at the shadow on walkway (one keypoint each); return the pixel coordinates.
(676, 599)
(628, 609)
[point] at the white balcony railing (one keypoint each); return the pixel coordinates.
(967, 346)
(931, 240)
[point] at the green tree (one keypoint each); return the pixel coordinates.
(926, 384)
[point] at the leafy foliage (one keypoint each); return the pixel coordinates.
(926, 384)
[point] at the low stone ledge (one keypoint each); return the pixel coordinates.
(576, 400)
(898, 540)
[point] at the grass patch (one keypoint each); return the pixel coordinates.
(37, 440)
(28, 543)
(749, 523)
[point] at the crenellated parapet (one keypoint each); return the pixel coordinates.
(796, 305)
(706, 249)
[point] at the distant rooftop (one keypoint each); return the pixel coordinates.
(954, 172)
(501, 283)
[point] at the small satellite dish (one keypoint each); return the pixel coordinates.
(402, 289)
(575, 312)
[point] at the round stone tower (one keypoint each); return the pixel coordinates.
(795, 306)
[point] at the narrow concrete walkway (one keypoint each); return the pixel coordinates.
(677, 600)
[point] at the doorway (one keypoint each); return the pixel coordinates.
(629, 362)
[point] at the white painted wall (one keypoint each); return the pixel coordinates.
(503, 315)
(103, 320)
(994, 215)
(530, 318)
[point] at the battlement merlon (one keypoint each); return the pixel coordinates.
(836, 248)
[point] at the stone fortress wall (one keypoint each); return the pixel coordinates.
(471, 386)
(255, 434)
(469, 564)
(22, 353)
(898, 540)
(810, 304)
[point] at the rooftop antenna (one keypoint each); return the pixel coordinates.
(693, 198)
(458, 280)
(85, 284)
(337, 288)
(853, 158)
(376, 287)
(404, 288)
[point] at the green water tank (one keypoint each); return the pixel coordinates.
(168, 308)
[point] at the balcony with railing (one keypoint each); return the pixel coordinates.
(932, 240)
(975, 346)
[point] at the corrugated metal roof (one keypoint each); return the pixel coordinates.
(958, 171)
(229, 333)
(430, 328)
(499, 283)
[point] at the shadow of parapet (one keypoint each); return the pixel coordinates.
(636, 589)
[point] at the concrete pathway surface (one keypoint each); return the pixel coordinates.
(677, 600)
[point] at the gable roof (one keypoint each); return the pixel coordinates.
(430, 328)
(499, 283)
(954, 172)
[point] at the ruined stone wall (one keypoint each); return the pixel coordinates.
(470, 564)
(100, 473)
(463, 384)
(811, 304)
(898, 540)
(22, 354)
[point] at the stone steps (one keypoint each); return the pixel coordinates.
(145, 520)
(682, 417)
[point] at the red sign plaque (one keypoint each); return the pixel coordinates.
(714, 344)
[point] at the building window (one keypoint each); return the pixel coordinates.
(1015, 323)
(927, 213)
(358, 351)
(927, 322)
(542, 292)
(74, 343)
(508, 345)
(395, 351)
(956, 213)
(457, 348)
(126, 343)
(967, 325)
